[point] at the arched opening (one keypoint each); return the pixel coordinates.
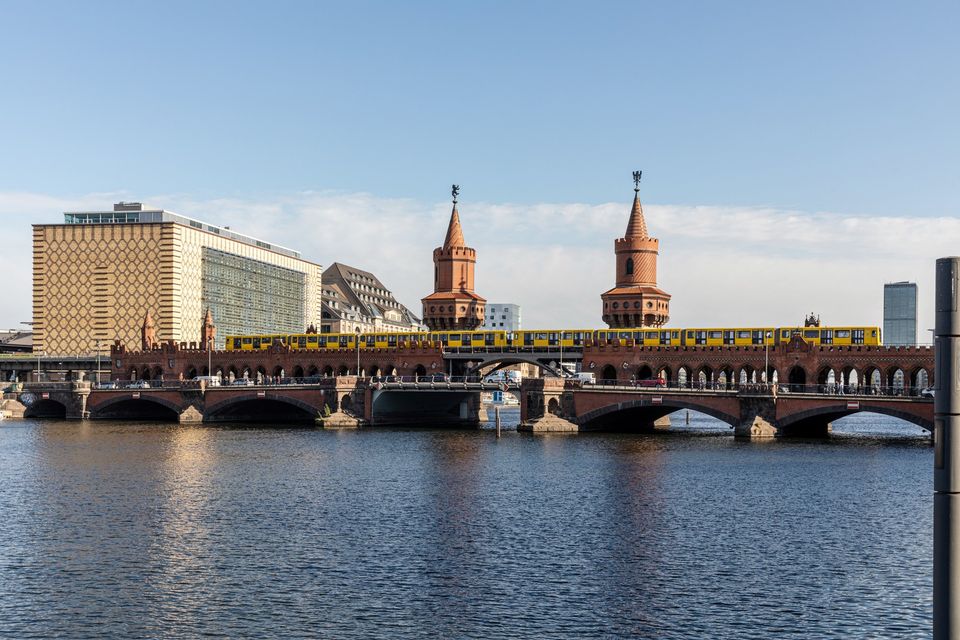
(134, 374)
(136, 409)
(629, 268)
(145, 374)
(247, 373)
(825, 376)
(374, 371)
(853, 379)
(343, 370)
(157, 373)
(328, 371)
(269, 411)
(608, 374)
(420, 370)
(46, 409)
(871, 379)
(553, 406)
(919, 380)
(705, 377)
(897, 381)
(204, 371)
(346, 403)
(298, 372)
(313, 371)
(797, 376)
(390, 370)
(722, 379)
(190, 373)
(644, 372)
(666, 373)
(683, 376)
(278, 373)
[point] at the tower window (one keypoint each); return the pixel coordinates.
(629, 266)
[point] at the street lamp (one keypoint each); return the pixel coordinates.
(766, 357)
(98, 362)
(357, 343)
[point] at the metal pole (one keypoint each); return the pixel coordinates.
(766, 357)
(946, 435)
(496, 413)
(98, 362)
(357, 331)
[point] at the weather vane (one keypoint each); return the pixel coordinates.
(636, 180)
(455, 191)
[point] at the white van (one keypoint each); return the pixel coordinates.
(209, 381)
(586, 377)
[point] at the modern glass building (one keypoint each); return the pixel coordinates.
(900, 314)
(99, 273)
(502, 316)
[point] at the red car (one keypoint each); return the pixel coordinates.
(652, 382)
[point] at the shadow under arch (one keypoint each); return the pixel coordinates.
(619, 416)
(251, 408)
(46, 409)
(506, 361)
(813, 419)
(145, 407)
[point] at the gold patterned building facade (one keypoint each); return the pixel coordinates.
(96, 275)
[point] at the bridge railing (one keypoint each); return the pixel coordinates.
(830, 389)
(275, 381)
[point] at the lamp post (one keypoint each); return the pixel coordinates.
(766, 357)
(357, 344)
(39, 353)
(98, 362)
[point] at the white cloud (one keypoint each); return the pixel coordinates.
(723, 265)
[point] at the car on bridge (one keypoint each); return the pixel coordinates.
(652, 382)
(139, 384)
(242, 382)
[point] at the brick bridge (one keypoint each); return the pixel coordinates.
(796, 363)
(547, 404)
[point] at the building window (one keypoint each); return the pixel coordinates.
(629, 266)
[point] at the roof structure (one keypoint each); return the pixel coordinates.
(364, 291)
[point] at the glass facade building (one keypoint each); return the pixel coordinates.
(900, 314)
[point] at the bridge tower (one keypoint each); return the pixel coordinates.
(636, 301)
(208, 332)
(453, 304)
(148, 333)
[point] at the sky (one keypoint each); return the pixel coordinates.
(796, 156)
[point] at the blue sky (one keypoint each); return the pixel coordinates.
(832, 110)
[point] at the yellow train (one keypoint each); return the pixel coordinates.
(565, 338)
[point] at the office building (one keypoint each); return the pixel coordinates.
(356, 299)
(98, 274)
(502, 316)
(900, 314)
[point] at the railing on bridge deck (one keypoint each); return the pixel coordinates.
(759, 388)
(435, 379)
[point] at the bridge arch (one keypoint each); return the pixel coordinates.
(829, 414)
(609, 372)
(313, 371)
(919, 378)
(797, 375)
(644, 372)
(250, 407)
(506, 360)
(46, 408)
(298, 371)
(147, 406)
(420, 370)
(607, 414)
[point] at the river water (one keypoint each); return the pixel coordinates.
(154, 530)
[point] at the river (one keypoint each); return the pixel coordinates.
(137, 530)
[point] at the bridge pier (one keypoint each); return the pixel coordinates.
(545, 406)
(758, 418)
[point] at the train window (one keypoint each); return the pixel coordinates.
(625, 335)
(256, 343)
(247, 340)
(873, 334)
(689, 334)
(811, 333)
(784, 334)
(842, 333)
(488, 339)
(552, 338)
(665, 337)
(527, 339)
(745, 334)
(467, 340)
(701, 337)
(391, 341)
(715, 335)
(312, 339)
(541, 335)
(302, 342)
(322, 341)
(452, 337)
(728, 337)
(858, 335)
(577, 337)
(343, 342)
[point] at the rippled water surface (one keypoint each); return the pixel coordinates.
(152, 530)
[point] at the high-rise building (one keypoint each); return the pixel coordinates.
(453, 304)
(97, 275)
(636, 301)
(502, 316)
(356, 299)
(900, 314)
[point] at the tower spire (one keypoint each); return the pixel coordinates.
(454, 232)
(637, 225)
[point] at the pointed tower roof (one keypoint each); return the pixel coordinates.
(454, 232)
(148, 320)
(637, 226)
(208, 319)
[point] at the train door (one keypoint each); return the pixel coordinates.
(489, 339)
(553, 339)
(729, 337)
(858, 336)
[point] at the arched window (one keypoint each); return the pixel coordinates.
(629, 266)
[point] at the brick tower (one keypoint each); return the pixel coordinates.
(208, 332)
(453, 303)
(636, 301)
(148, 333)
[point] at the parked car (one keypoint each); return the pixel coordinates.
(929, 392)
(210, 381)
(652, 382)
(586, 377)
(139, 384)
(243, 382)
(107, 385)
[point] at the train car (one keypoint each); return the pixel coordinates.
(640, 337)
(547, 338)
(729, 336)
(253, 343)
(841, 336)
(469, 339)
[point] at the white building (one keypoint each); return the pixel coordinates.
(502, 316)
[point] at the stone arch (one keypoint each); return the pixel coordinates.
(145, 374)
(553, 406)
(328, 371)
(298, 372)
(390, 370)
(919, 379)
(826, 375)
(420, 370)
(872, 379)
(829, 414)
(896, 380)
(247, 372)
(669, 405)
(204, 371)
(666, 373)
(374, 371)
(157, 373)
(152, 405)
(704, 376)
(313, 371)
(261, 372)
(852, 377)
(683, 375)
(46, 408)
(797, 376)
(644, 372)
(253, 408)
(343, 370)
(278, 372)
(725, 379)
(608, 373)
